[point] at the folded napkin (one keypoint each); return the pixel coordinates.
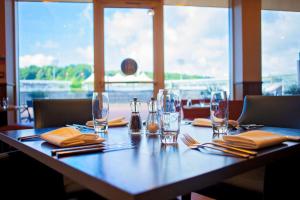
(67, 136)
(255, 139)
(207, 122)
(120, 121)
(202, 122)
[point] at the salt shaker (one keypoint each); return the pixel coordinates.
(135, 125)
(152, 124)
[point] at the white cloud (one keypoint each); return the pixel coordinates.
(197, 43)
(85, 54)
(37, 59)
(87, 14)
(198, 38)
(48, 44)
(129, 34)
(280, 42)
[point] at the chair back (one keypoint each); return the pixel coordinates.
(234, 107)
(278, 111)
(59, 112)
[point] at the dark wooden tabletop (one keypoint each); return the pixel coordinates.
(152, 169)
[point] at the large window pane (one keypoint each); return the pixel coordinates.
(128, 33)
(55, 43)
(280, 52)
(196, 50)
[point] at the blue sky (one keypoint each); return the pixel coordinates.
(52, 30)
(62, 34)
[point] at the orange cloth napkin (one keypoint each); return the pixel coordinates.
(120, 121)
(202, 122)
(256, 139)
(67, 136)
(207, 122)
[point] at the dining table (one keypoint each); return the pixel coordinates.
(151, 170)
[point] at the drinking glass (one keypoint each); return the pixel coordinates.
(170, 116)
(100, 109)
(219, 113)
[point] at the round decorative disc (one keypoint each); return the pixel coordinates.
(129, 66)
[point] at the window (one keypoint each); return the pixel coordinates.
(280, 52)
(55, 50)
(196, 49)
(128, 34)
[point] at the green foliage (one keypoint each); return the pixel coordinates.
(29, 73)
(76, 84)
(74, 73)
(68, 73)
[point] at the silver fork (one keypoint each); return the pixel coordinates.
(193, 146)
(196, 142)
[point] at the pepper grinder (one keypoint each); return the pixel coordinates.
(135, 125)
(152, 124)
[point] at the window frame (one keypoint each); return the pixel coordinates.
(158, 48)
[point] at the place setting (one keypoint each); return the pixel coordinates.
(163, 120)
(70, 141)
(230, 137)
(77, 139)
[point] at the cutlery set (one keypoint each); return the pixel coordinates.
(68, 151)
(234, 151)
(61, 152)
